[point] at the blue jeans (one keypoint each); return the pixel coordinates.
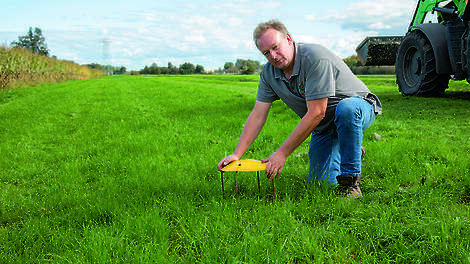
(338, 152)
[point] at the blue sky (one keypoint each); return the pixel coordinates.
(207, 32)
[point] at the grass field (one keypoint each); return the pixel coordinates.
(123, 170)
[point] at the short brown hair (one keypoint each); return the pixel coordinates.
(263, 27)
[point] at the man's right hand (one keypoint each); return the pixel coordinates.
(225, 161)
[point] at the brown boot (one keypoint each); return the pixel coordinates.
(348, 186)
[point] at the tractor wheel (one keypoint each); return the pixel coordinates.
(416, 68)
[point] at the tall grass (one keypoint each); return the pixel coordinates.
(123, 170)
(21, 68)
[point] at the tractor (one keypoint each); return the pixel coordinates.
(430, 54)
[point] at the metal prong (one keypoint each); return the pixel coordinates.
(222, 180)
(236, 184)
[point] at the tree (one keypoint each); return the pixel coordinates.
(199, 69)
(120, 70)
(154, 69)
(172, 69)
(94, 66)
(229, 67)
(187, 68)
(240, 63)
(33, 41)
(247, 66)
(352, 61)
(164, 70)
(145, 70)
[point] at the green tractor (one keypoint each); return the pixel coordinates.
(430, 53)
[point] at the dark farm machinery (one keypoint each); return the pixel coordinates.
(430, 54)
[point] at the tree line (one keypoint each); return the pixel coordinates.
(109, 69)
(185, 68)
(36, 43)
(241, 66)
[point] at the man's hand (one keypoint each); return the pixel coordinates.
(274, 165)
(225, 161)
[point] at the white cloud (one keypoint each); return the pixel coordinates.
(196, 38)
(150, 17)
(131, 52)
(311, 17)
(240, 9)
(143, 30)
(381, 15)
(272, 4)
(379, 26)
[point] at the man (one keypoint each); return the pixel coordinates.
(333, 104)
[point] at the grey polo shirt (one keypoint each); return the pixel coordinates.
(318, 73)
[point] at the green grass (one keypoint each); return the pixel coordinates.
(123, 170)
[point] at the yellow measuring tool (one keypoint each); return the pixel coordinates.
(244, 165)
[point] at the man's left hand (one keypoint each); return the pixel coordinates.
(274, 165)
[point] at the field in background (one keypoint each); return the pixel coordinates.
(21, 68)
(123, 170)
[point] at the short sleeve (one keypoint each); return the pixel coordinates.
(265, 93)
(320, 80)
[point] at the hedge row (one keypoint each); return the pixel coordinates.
(20, 68)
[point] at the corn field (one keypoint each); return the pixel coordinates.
(19, 68)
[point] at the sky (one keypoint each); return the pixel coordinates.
(136, 33)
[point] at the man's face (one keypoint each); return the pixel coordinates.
(277, 49)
